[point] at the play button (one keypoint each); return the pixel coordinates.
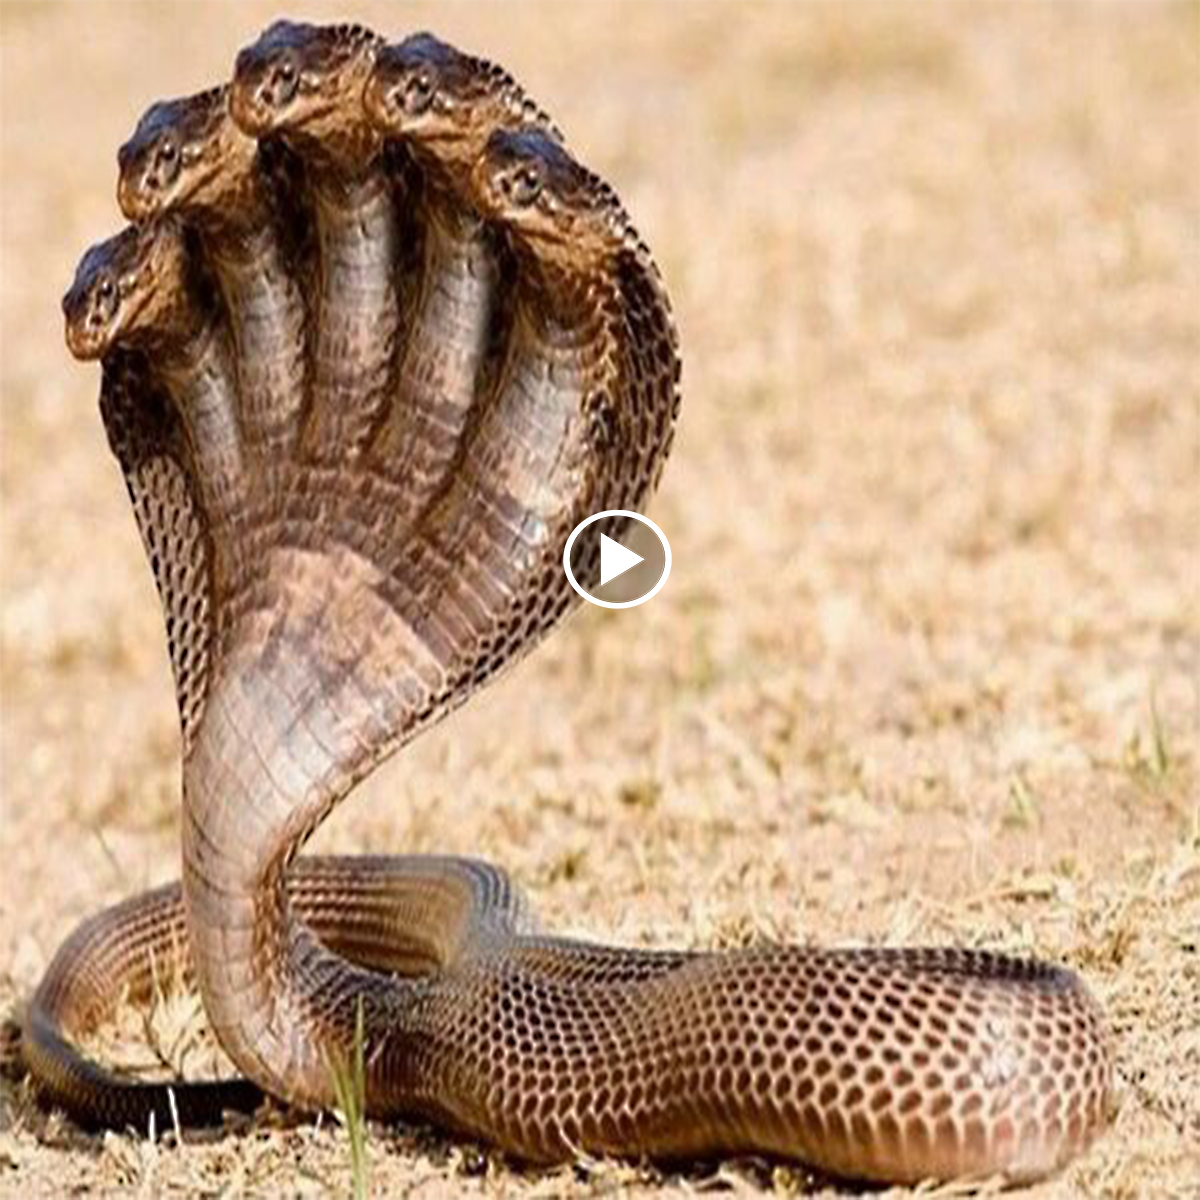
(617, 559)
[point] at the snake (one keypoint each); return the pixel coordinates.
(375, 343)
(188, 156)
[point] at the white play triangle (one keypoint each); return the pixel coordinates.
(615, 559)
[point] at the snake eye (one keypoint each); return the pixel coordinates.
(522, 186)
(418, 93)
(106, 300)
(285, 78)
(167, 159)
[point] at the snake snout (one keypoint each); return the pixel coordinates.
(134, 181)
(137, 191)
(81, 335)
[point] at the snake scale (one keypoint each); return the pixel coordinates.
(373, 345)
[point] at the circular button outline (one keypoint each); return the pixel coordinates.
(616, 512)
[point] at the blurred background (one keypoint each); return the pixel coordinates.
(925, 668)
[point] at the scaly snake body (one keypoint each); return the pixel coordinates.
(355, 492)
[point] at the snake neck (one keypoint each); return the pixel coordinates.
(310, 691)
(455, 322)
(573, 317)
(189, 354)
(358, 234)
(200, 374)
(343, 656)
(266, 319)
(583, 344)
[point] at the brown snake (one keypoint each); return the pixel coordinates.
(377, 344)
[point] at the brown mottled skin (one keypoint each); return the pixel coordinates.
(115, 294)
(446, 103)
(474, 273)
(144, 289)
(439, 105)
(304, 84)
(187, 156)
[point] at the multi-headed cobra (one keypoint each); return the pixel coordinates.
(374, 345)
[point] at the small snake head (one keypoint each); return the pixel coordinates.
(302, 78)
(178, 156)
(124, 286)
(528, 183)
(443, 101)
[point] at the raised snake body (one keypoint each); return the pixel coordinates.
(488, 358)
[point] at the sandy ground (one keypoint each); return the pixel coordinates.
(926, 666)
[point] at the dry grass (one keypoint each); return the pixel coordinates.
(926, 666)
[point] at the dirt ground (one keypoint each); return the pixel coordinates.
(925, 670)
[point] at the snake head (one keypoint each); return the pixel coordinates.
(439, 98)
(182, 154)
(528, 183)
(302, 78)
(125, 286)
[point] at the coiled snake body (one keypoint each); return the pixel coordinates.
(376, 344)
